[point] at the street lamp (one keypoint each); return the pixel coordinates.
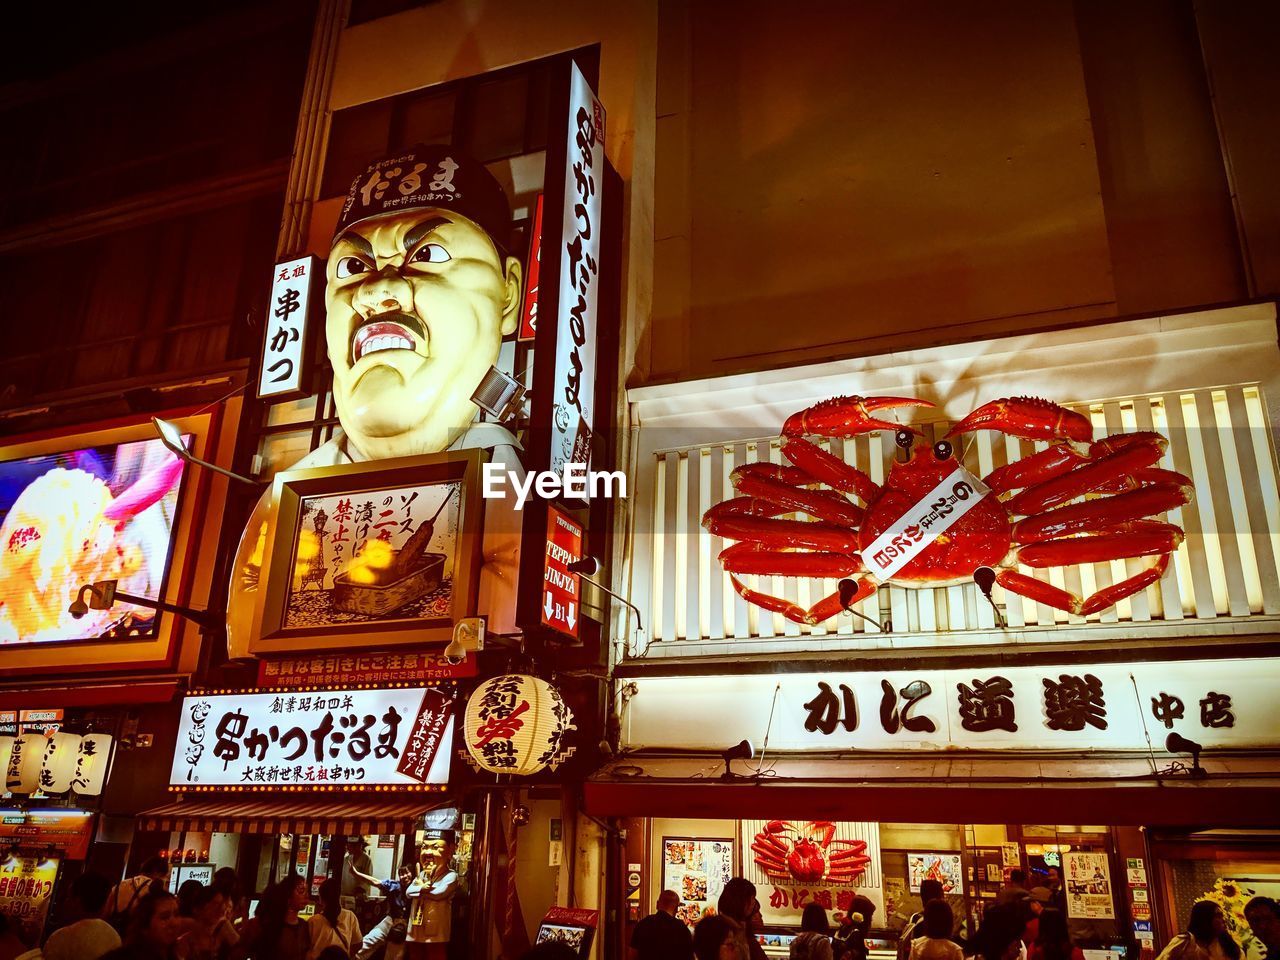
(171, 437)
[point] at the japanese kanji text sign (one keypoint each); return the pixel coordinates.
(561, 589)
(923, 524)
(325, 738)
(529, 314)
(285, 347)
(1054, 707)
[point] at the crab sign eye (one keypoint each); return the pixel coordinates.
(350, 267)
(430, 253)
(942, 449)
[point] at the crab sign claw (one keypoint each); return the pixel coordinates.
(1028, 418)
(847, 416)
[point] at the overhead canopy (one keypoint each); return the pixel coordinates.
(345, 815)
(1238, 791)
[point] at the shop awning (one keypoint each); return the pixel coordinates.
(1238, 791)
(280, 815)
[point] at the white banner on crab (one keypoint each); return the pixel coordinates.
(958, 493)
(812, 871)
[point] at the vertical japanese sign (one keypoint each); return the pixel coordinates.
(560, 588)
(578, 284)
(529, 315)
(286, 352)
(426, 735)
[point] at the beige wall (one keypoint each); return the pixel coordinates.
(851, 178)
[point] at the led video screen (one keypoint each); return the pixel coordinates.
(70, 519)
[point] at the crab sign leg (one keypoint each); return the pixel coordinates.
(1103, 513)
(1051, 596)
(821, 466)
(1034, 469)
(1091, 476)
(847, 416)
(780, 533)
(1029, 418)
(748, 557)
(1146, 541)
(824, 609)
(820, 504)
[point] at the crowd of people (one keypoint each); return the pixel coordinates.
(140, 919)
(1021, 924)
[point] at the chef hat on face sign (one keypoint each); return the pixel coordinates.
(427, 177)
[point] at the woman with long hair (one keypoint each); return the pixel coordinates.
(153, 928)
(814, 941)
(276, 932)
(1206, 937)
(333, 926)
(1053, 940)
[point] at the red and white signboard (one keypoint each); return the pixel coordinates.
(427, 733)
(339, 670)
(285, 346)
(560, 588)
(529, 315)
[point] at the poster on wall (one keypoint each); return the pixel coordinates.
(1088, 883)
(70, 519)
(697, 869)
(943, 867)
(325, 738)
(797, 862)
(26, 884)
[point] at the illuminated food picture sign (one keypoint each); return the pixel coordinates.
(322, 739)
(69, 519)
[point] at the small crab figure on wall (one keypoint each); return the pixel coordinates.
(933, 524)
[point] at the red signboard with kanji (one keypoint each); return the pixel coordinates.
(529, 315)
(426, 736)
(561, 589)
(363, 669)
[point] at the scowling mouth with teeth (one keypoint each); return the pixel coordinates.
(417, 304)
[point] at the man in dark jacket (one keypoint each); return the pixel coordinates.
(660, 936)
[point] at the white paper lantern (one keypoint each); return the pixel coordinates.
(25, 762)
(516, 724)
(6, 751)
(93, 759)
(59, 764)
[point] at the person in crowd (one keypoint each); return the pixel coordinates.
(935, 942)
(205, 937)
(716, 937)
(125, 895)
(333, 925)
(850, 940)
(276, 932)
(153, 928)
(355, 863)
(1263, 915)
(739, 904)
(1053, 940)
(397, 908)
(89, 937)
(188, 892)
(13, 945)
(1206, 937)
(814, 939)
(1001, 933)
(226, 880)
(1015, 889)
(1058, 892)
(660, 936)
(930, 890)
(1038, 900)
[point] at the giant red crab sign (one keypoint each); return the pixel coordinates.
(932, 524)
(808, 853)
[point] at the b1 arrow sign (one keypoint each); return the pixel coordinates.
(560, 588)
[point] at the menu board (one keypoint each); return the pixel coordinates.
(697, 869)
(1088, 881)
(26, 883)
(943, 867)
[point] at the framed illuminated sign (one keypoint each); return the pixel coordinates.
(378, 553)
(107, 503)
(315, 740)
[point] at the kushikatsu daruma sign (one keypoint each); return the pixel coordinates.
(1056, 707)
(317, 740)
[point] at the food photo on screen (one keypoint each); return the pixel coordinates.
(74, 518)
